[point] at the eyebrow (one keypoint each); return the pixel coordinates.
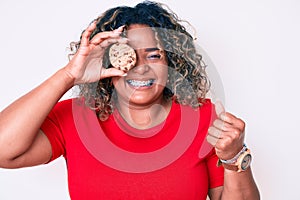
(152, 49)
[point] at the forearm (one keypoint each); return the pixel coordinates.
(20, 121)
(239, 186)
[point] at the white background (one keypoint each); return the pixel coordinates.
(253, 44)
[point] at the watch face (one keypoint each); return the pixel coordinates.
(246, 162)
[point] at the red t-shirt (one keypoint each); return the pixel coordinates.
(111, 160)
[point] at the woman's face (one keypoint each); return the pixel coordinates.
(144, 84)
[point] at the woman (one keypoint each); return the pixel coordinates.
(134, 134)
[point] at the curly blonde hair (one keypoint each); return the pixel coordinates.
(187, 83)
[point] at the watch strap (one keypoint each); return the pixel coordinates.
(231, 167)
(235, 164)
(235, 158)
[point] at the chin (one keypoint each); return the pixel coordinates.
(141, 100)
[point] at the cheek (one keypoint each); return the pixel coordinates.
(120, 88)
(164, 74)
(117, 82)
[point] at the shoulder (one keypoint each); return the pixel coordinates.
(61, 109)
(64, 103)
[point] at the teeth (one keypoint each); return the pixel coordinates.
(137, 83)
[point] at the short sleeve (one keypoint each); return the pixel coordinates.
(215, 173)
(51, 128)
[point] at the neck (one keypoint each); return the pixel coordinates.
(144, 116)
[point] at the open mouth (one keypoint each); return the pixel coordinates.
(137, 83)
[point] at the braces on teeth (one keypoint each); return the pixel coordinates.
(140, 83)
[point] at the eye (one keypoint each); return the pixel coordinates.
(154, 56)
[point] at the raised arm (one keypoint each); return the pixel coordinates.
(22, 143)
(227, 135)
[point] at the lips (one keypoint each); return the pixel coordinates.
(140, 83)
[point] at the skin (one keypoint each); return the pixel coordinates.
(22, 145)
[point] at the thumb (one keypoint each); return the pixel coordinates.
(219, 108)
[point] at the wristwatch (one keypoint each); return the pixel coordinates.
(238, 163)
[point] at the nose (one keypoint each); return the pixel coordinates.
(141, 68)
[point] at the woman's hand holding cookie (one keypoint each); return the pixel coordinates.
(86, 65)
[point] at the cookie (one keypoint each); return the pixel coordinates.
(122, 56)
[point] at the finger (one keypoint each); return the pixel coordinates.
(212, 140)
(110, 41)
(233, 120)
(214, 135)
(225, 116)
(98, 38)
(228, 130)
(110, 72)
(120, 29)
(232, 136)
(215, 132)
(222, 125)
(87, 33)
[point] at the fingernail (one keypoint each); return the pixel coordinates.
(223, 116)
(209, 130)
(121, 27)
(119, 30)
(124, 74)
